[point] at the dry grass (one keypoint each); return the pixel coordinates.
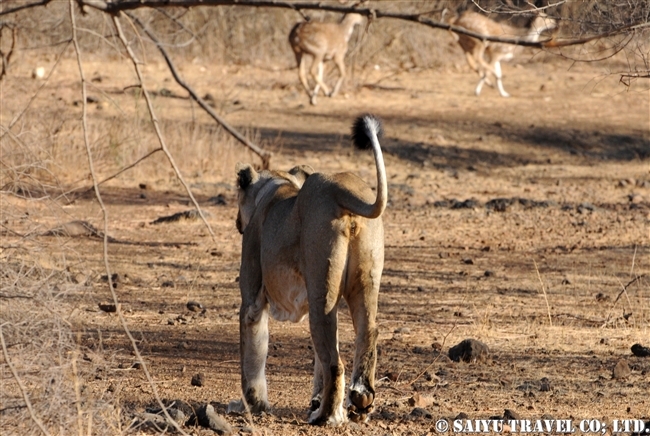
(50, 286)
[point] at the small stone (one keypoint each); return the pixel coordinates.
(421, 401)
(488, 273)
(392, 376)
(107, 307)
(402, 330)
(461, 415)
(209, 418)
(545, 385)
(640, 351)
(197, 380)
(419, 412)
(635, 198)
(621, 370)
(510, 414)
(194, 306)
(468, 261)
(469, 350)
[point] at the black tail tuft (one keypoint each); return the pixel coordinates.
(364, 128)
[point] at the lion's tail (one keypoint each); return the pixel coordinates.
(365, 134)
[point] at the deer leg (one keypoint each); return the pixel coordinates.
(339, 61)
(302, 73)
(317, 74)
(498, 75)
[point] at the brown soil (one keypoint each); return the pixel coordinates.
(540, 284)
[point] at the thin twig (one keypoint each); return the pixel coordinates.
(126, 168)
(263, 154)
(156, 125)
(105, 216)
(31, 100)
(23, 391)
(444, 340)
(624, 290)
(548, 307)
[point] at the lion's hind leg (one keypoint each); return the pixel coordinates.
(317, 393)
(364, 276)
(327, 260)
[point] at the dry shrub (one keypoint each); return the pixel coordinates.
(37, 314)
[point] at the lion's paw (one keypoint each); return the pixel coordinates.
(335, 420)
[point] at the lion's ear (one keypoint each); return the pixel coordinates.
(246, 175)
(301, 172)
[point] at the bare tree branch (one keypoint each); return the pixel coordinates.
(24, 6)
(263, 154)
(107, 267)
(156, 125)
(127, 5)
(6, 58)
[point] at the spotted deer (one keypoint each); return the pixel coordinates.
(322, 41)
(485, 57)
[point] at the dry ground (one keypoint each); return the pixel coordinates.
(540, 285)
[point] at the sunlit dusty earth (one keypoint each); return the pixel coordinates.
(546, 280)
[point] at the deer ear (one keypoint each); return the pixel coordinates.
(246, 175)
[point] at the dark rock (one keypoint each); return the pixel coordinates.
(499, 204)
(207, 417)
(194, 306)
(197, 380)
(419, 412)
(544, 384)
(186, 215)
(600, 297)
(469, 350)
(181, 406)
(467, 204)
(461, 415)
(392, 376)
(441, 203)
(509, 414)
(388, 415)
(621, 370)
(219, 200)
(468, 261)
(107, 307)
(488, 273)
(151, 421)
(640, 351)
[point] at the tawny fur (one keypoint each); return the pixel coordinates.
(485, 57)
(310, 239)
(322, 41)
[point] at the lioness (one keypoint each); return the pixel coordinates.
(308, 240)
